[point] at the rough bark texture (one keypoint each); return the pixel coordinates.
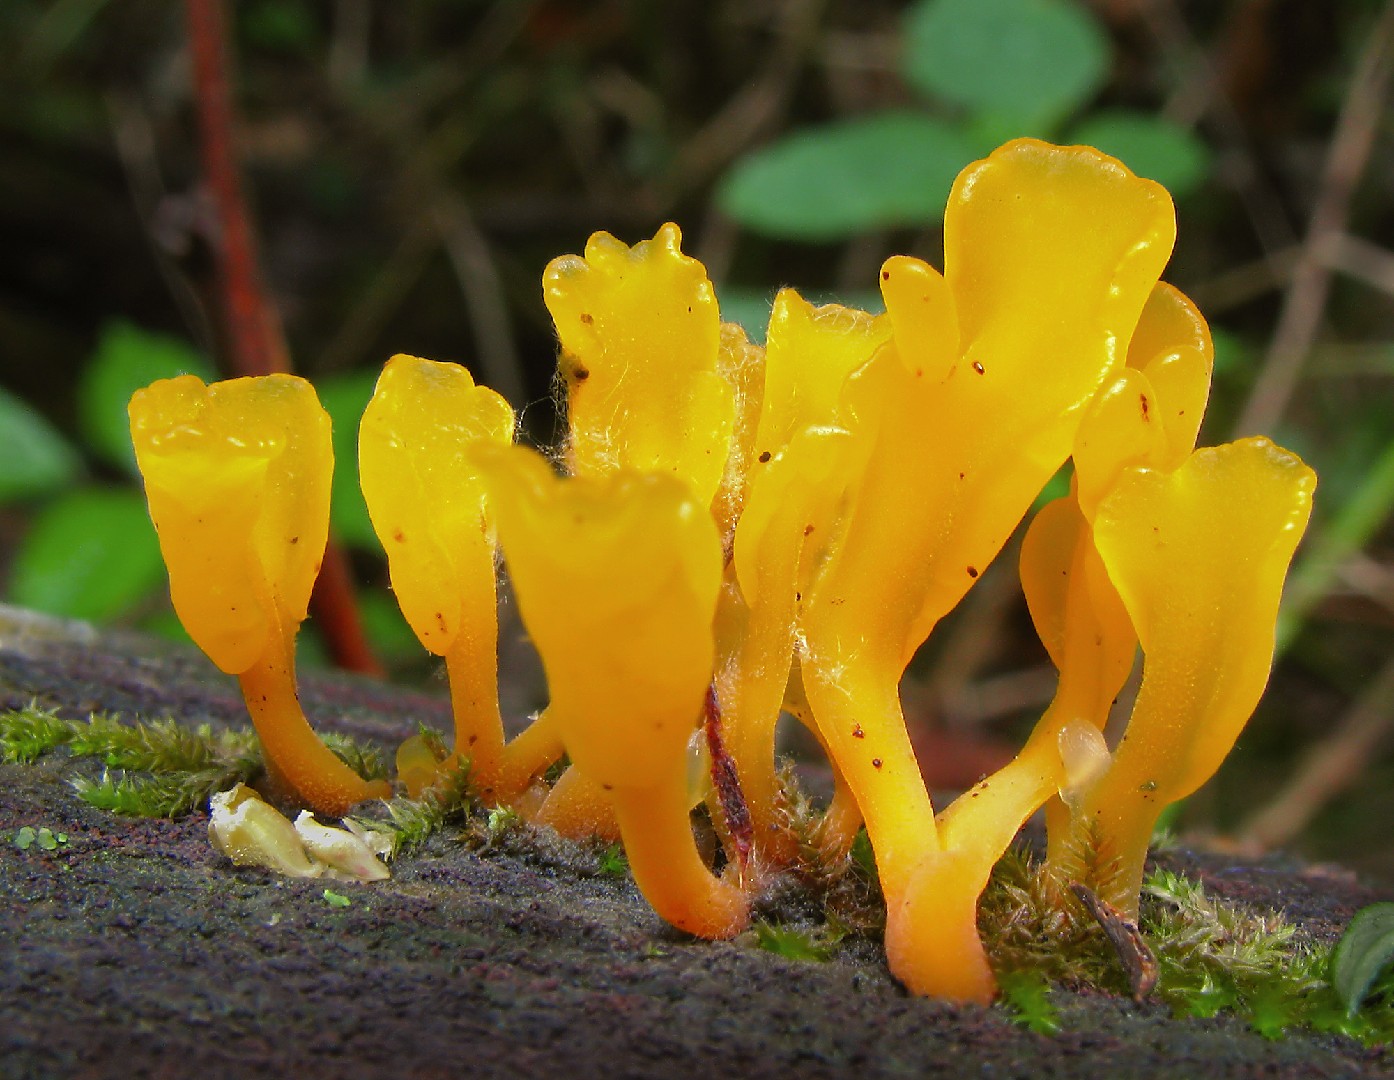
(137, 951)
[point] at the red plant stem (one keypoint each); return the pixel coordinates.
(727, 782)
(255, 341)
(252, 328)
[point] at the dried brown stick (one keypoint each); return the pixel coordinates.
(1307, 293)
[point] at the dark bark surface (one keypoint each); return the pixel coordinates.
(135, 950)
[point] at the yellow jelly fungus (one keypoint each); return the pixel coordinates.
(796, 489)
(1050, 254)
(1087, 632)
(237, 479)
(617, 583)
(1199, 556)
(751, 530)
(428, 506)
(641, 342)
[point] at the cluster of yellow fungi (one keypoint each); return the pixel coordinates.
(737, 531)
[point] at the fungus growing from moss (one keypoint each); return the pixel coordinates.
(744, 531)
(429, 509)
(237, 479)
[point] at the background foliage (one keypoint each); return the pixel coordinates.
(413, 166)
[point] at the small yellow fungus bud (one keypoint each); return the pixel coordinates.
(617, 583)
(251, 832)
(237, 479)
(428, 506)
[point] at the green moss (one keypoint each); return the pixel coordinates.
(413, 821)
(156, 768)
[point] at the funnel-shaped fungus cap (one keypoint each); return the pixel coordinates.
(237, 477)
(617, 580)
(1199, 556)
(640, 337)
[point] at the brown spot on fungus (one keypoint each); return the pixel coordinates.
(972, 571)
(764, 456)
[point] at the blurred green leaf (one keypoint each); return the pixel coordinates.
(1366, 948)
(282, 25)
(37, 459)
(127, 358)
(1233, 355)
(392, 639)
(1026, 63)
(824, 183)
(1149, 145)
(90, 554)
(345, 397)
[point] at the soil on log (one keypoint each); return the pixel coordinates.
(135, 950)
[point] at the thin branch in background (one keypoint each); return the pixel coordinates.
(754, 111)
(135, 150)
(473, 262)
(1307, 293)
(375, 305)
(1200, 95)
(255, 337)
(1328, 769)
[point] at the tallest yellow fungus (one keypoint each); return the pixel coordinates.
(237, 478)
(1050, 254)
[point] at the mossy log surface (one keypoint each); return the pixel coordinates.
(135, 950)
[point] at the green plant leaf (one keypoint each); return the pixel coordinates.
(37, 459)
(824, 183)
(1149, 145)
(91, 554)
(127, 358)
(1364, 950)
(344, 398)
(1025, 63)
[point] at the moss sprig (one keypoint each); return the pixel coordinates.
(155, 768)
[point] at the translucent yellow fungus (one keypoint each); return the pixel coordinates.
(617, 582)
(746, 530)
(237, 479)
(1199, 556)
(1050, 254)
(1086, 630)
(792, 512)
(429, 509)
